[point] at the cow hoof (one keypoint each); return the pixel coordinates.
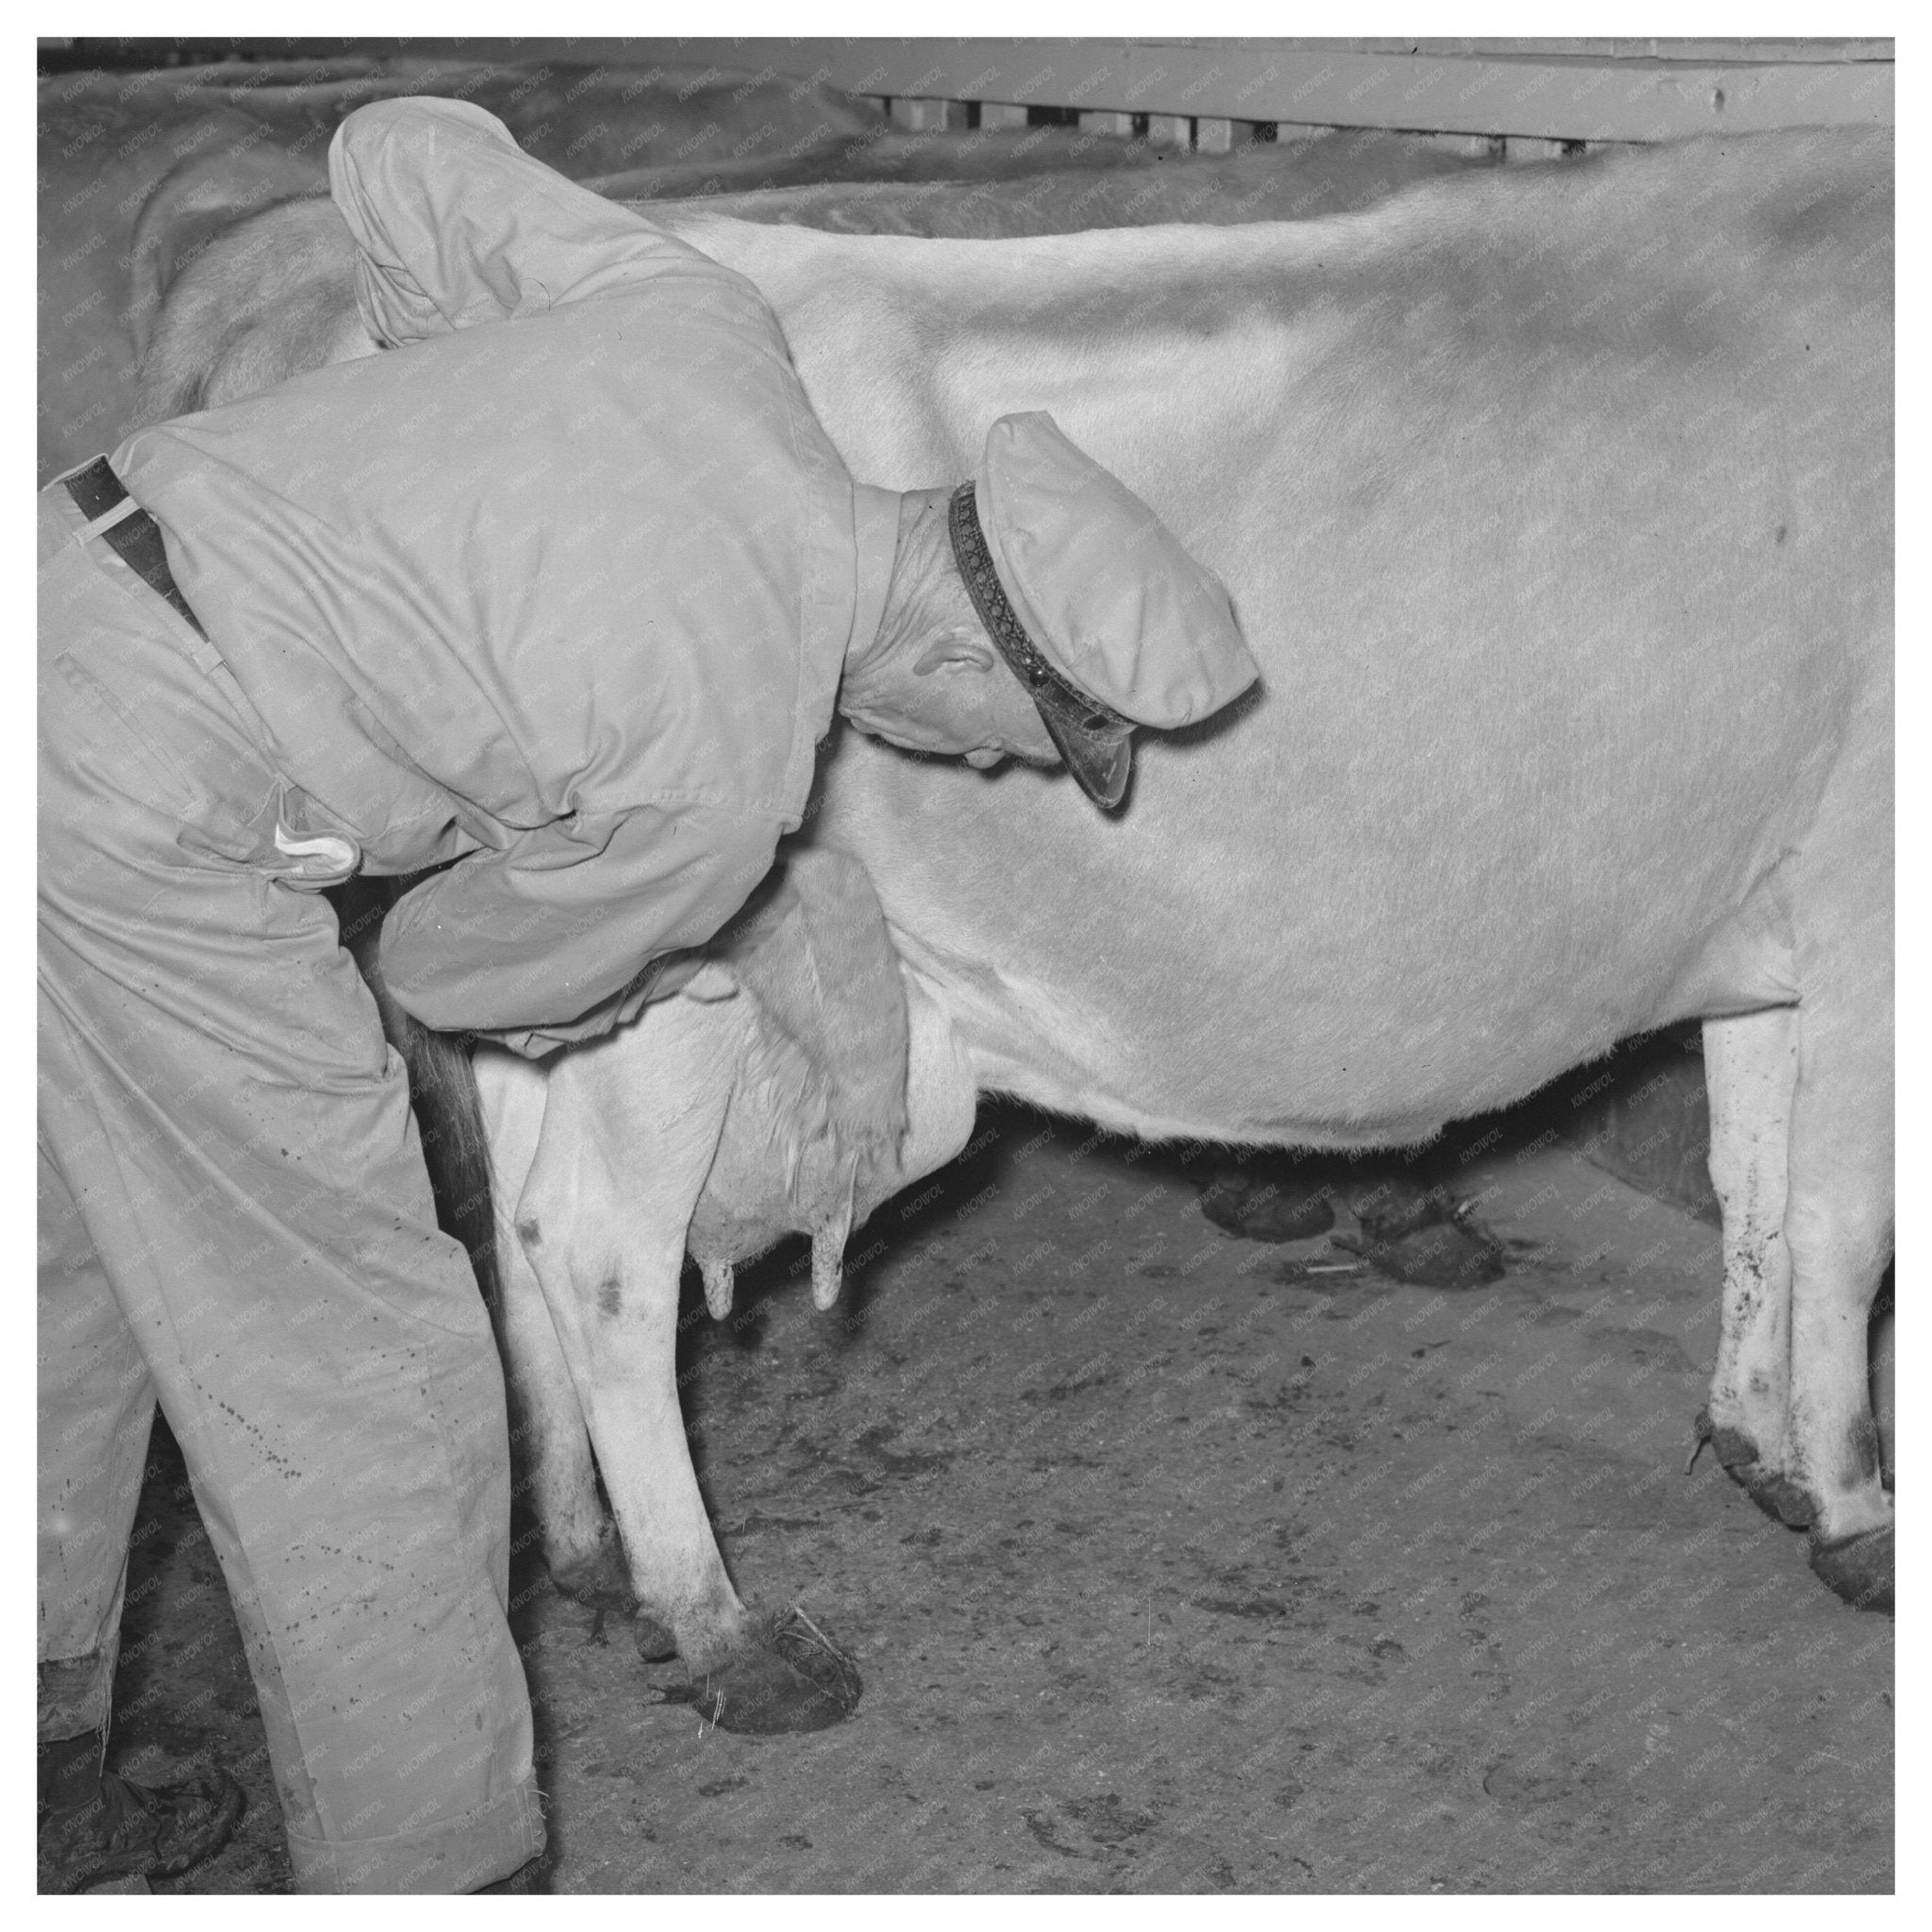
(791, 1677)
(1395, 1206)
(1268, 1211)
(1446, 1256)
(1858, 1569)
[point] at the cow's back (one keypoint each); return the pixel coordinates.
(1556, 507)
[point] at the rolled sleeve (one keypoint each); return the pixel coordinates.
(543, 942)
(455, 224)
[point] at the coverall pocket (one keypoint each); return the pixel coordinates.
(219, 812)
(104, 736)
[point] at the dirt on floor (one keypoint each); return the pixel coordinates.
(1172, 1565)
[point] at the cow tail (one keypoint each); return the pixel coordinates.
(442, 1091)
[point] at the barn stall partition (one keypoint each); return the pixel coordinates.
(1512, 100)
(1507, 99)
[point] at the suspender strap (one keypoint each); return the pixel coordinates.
(131, 533)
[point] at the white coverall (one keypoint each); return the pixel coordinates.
(560, 588)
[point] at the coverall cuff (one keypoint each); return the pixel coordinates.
(461, 1855)
(76, 1693)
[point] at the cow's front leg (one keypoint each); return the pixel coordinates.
(1750, 1071)
(1838, 1223)
(630, 1129)
(1800, 1158)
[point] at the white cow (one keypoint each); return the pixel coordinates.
(1556, 505)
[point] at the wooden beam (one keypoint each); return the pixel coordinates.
(1558, 96)
(1809, 51)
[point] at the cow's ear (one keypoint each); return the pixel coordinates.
(955, 649)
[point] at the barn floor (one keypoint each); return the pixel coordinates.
(1170, 1569)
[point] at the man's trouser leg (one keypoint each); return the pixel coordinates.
(97, 1405)
(217, 1102)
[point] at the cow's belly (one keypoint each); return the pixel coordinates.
(1464, 840)
(1268, 991)
(1552, 686)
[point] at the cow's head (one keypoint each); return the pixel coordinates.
(270, 298)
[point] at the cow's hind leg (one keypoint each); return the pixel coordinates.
(551, 1445)
(630, 1131)
(601, 1220)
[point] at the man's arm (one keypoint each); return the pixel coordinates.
(455, 224)
(543, 942)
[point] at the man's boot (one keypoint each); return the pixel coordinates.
(95, 1825)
